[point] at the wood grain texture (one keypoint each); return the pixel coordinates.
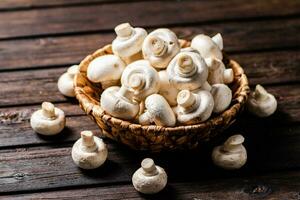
(269, 187)
(33, 4)
(52, 167)
(36, 86)
(271, 67)
(238, 37)
(99, 17)
(15, 129)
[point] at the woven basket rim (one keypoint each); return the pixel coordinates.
(93, 108)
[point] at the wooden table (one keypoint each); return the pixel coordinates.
(40, 39)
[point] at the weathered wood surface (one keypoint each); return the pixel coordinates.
(280, 186)
(42, 38)
(15, 128)
(35, 86)
(238, 37)
(87, 18)
(9, 5)
(52, 167)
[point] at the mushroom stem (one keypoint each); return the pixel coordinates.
(125, 92)
(186, 64)
(233, 144)
(87, 138)
(186, 99)
(48, 109)
(136, 82)
(124, 30)
(145, 118)
(149, 167)
(260, 94)
(157, 46)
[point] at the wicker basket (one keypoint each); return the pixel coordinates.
(157, 138)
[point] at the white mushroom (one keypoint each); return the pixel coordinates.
(65, 81)
(222, 97)
(89, 152)
(160, 46)
(192, 107)
(106, 69)
(208, 47)
(206, 86)
(150, 178)
(167, 90)
(217, 72)
(118, 103)
(188, 49)
(232, 154)
(141, 78)
(49, 120)
(218, 40)
(158, 111)
(261, 103)
(187, 70)
(128, 43)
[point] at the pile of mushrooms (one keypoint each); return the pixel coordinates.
(161, 83)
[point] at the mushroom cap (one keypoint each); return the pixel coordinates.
(129, 40)
(105, 68)
(228, 76)
(65, 81)
(222, 97)
(167, 90)
(141, 78)
(89, 157)
(261, 103)
(188, 49)
(159, 111)
(194, 77)
(46, 125)
(206, 47)
(148, 183)
(160, 46)
(235, 140)
(232, 154)
(218, 39)
(229, 160)
(113, 103)
(194, 107)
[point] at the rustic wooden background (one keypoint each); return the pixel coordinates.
(39, 39)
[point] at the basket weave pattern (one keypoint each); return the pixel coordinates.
(151, 137)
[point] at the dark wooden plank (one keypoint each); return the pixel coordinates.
(158, 13)
(270, 67)
(52, 168)
(29, 87)
(31, 4)
(277, 186)
(42, 52)
(15, 129)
